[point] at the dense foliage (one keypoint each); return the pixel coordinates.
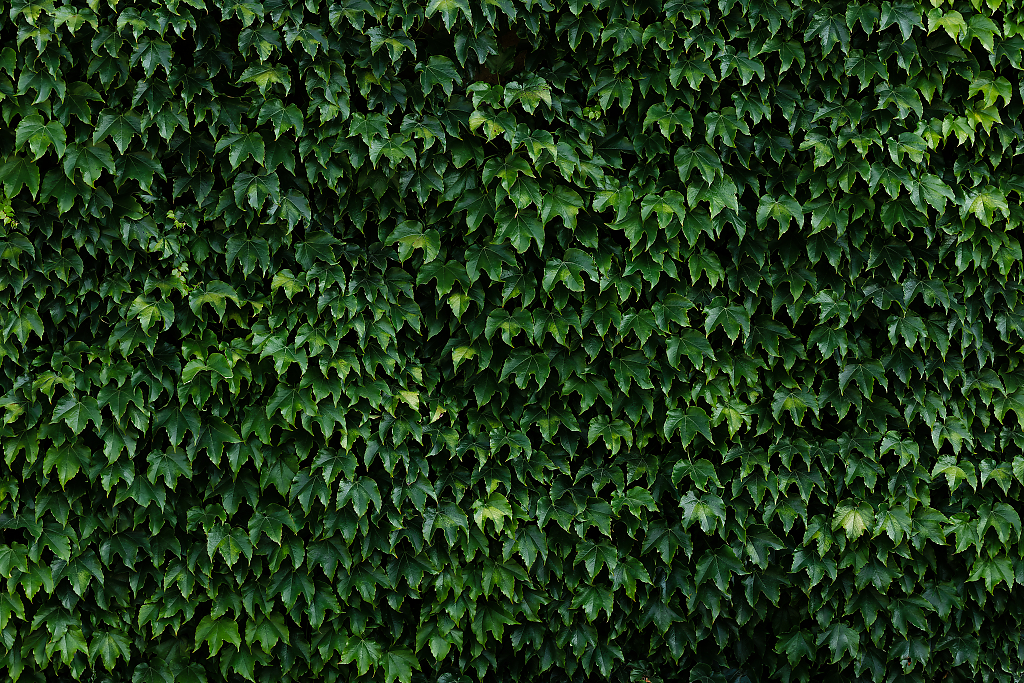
(511, 340)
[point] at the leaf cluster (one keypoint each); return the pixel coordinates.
(565, 340)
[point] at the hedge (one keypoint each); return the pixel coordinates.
(555, 340)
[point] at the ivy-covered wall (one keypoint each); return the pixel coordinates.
(506, 340)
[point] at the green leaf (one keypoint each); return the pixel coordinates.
(449, 10)
(699, 472)
(693, 345)
(284, 117)
(68, 458)
(732, 319)
(360, 493)
(78, 412)
(636, 499)
(170, 465)
(708, 511)
(529, 93)
(524, 364)
(216, 632)
(718, 566)
(446, 273)
(439, 71)
(667, 120)
(18, 172)
(984, 202)
(23, 322)
(994, 570)
(955, 472)
(268, 630)
(853, 519)
(396, 148)
(40, 135)
(120, 127)
(242, 146)
(90, 160)
(905, 15)
(253, 190)
(489, 258)
(796, 646)
(867, 15)
(841, 639)
(249, 251)
(784, 210)
(140, 166)
(267, 75)
(569, 270)
(950, 20)
(829, 29)
(931, 190)
(688, 423)
(519, 227)
(109, 646)
(364, 652)
(495, 507)
(398, 664)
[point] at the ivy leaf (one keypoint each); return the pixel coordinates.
(446, 273)
(284, 117)
(905, 15)
(364, 652)
(41, 135)
(268, 630)
(796, 646)
(519, 227)
(439, 71)
(90, 160)
(853, 519)
(955, 472)
(18, 172)
(732, 319)
(994, 570)
(530, 93)
(109, 646)
(360, 493)
(699, 472)
(718, 566)
(829, 29)
(170, 465)
(489, 258)
(216, 632)
(252, 190)
(78, 412)
(841, 639)
(667, 120)
(495, 507)
(140, 166)
(569, 270)
(249, 251)
(524, 364)
(931, 190)
(120, 127)
(784, 210)
(267, 75)
(241, 146)
(449, 10)
(688, 423)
